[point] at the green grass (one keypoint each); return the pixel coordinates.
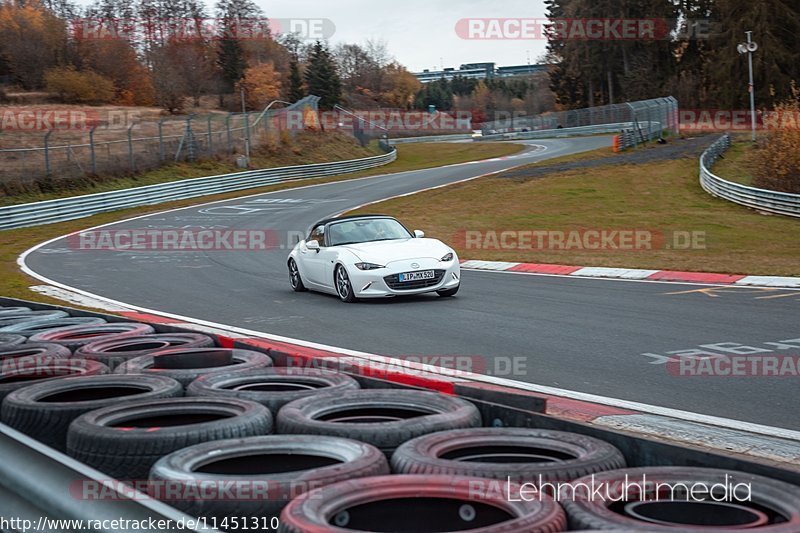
(738, 163)
(663, 197)
(14, 284)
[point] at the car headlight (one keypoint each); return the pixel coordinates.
(368, 266)
(447, 257)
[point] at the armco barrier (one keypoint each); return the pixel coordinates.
(781, 203)
(635, 132)
(49, 211)
(432, 138)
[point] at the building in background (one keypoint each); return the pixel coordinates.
(479, 71)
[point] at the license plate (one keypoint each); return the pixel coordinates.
(416, 276)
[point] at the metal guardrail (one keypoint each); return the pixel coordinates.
(59, 210)
(432, 138)
(559, 132)
(781, 203)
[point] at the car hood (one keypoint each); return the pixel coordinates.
(384, 252)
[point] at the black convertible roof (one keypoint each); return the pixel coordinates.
(348, 217)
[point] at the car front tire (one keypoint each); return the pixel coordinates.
(343, 286)
(448, 292)
(294, 277)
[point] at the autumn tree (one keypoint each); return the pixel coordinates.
(261, 85)
(73, 87)
(31, 41)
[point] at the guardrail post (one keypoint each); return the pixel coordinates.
(131, 160)
(47, 152)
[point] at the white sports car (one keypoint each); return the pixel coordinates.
(372, 256)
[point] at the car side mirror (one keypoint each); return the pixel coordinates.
(419, 234)
(312, 245)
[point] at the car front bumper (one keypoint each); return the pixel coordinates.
(382, 282)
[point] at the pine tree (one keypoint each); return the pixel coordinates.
(322, 77)
(296, 91)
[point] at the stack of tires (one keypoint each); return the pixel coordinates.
(223, 434)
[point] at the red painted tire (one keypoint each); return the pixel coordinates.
(73, 337)
(186, 365)
(521, 454)
(773, 506)
(114, 352)
(420, 504)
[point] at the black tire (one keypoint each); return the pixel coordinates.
(42, 350)
(125, 440)
(186, 365)
(343, 286)
(383, 418)
(29, 328)
(294, 277)
(446, 293)
(420, 503)
(776, 500)
(5, 311)
(113, 352)
(18, 317)
(286, 465)
(9, 339)
(45, 410)
(273, 387)
(73, 337)
(518, 454)
(26, 371)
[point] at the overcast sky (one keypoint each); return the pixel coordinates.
(420, 33)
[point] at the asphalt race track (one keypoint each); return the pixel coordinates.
(586, 335)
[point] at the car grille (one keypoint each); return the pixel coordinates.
(394, 284)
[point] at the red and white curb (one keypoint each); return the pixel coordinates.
(635, 274)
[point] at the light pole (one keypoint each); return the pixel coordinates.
(748, 48)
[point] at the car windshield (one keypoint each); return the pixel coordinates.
(367, 230)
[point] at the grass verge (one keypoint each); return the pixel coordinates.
(663, 197)
(738, 163)
(14, 284)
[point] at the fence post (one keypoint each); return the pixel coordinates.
(228, 132)
(189, 139)
(161, 155)
(91, 149)
(47, 152)
(210, 141)
(131, 160)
